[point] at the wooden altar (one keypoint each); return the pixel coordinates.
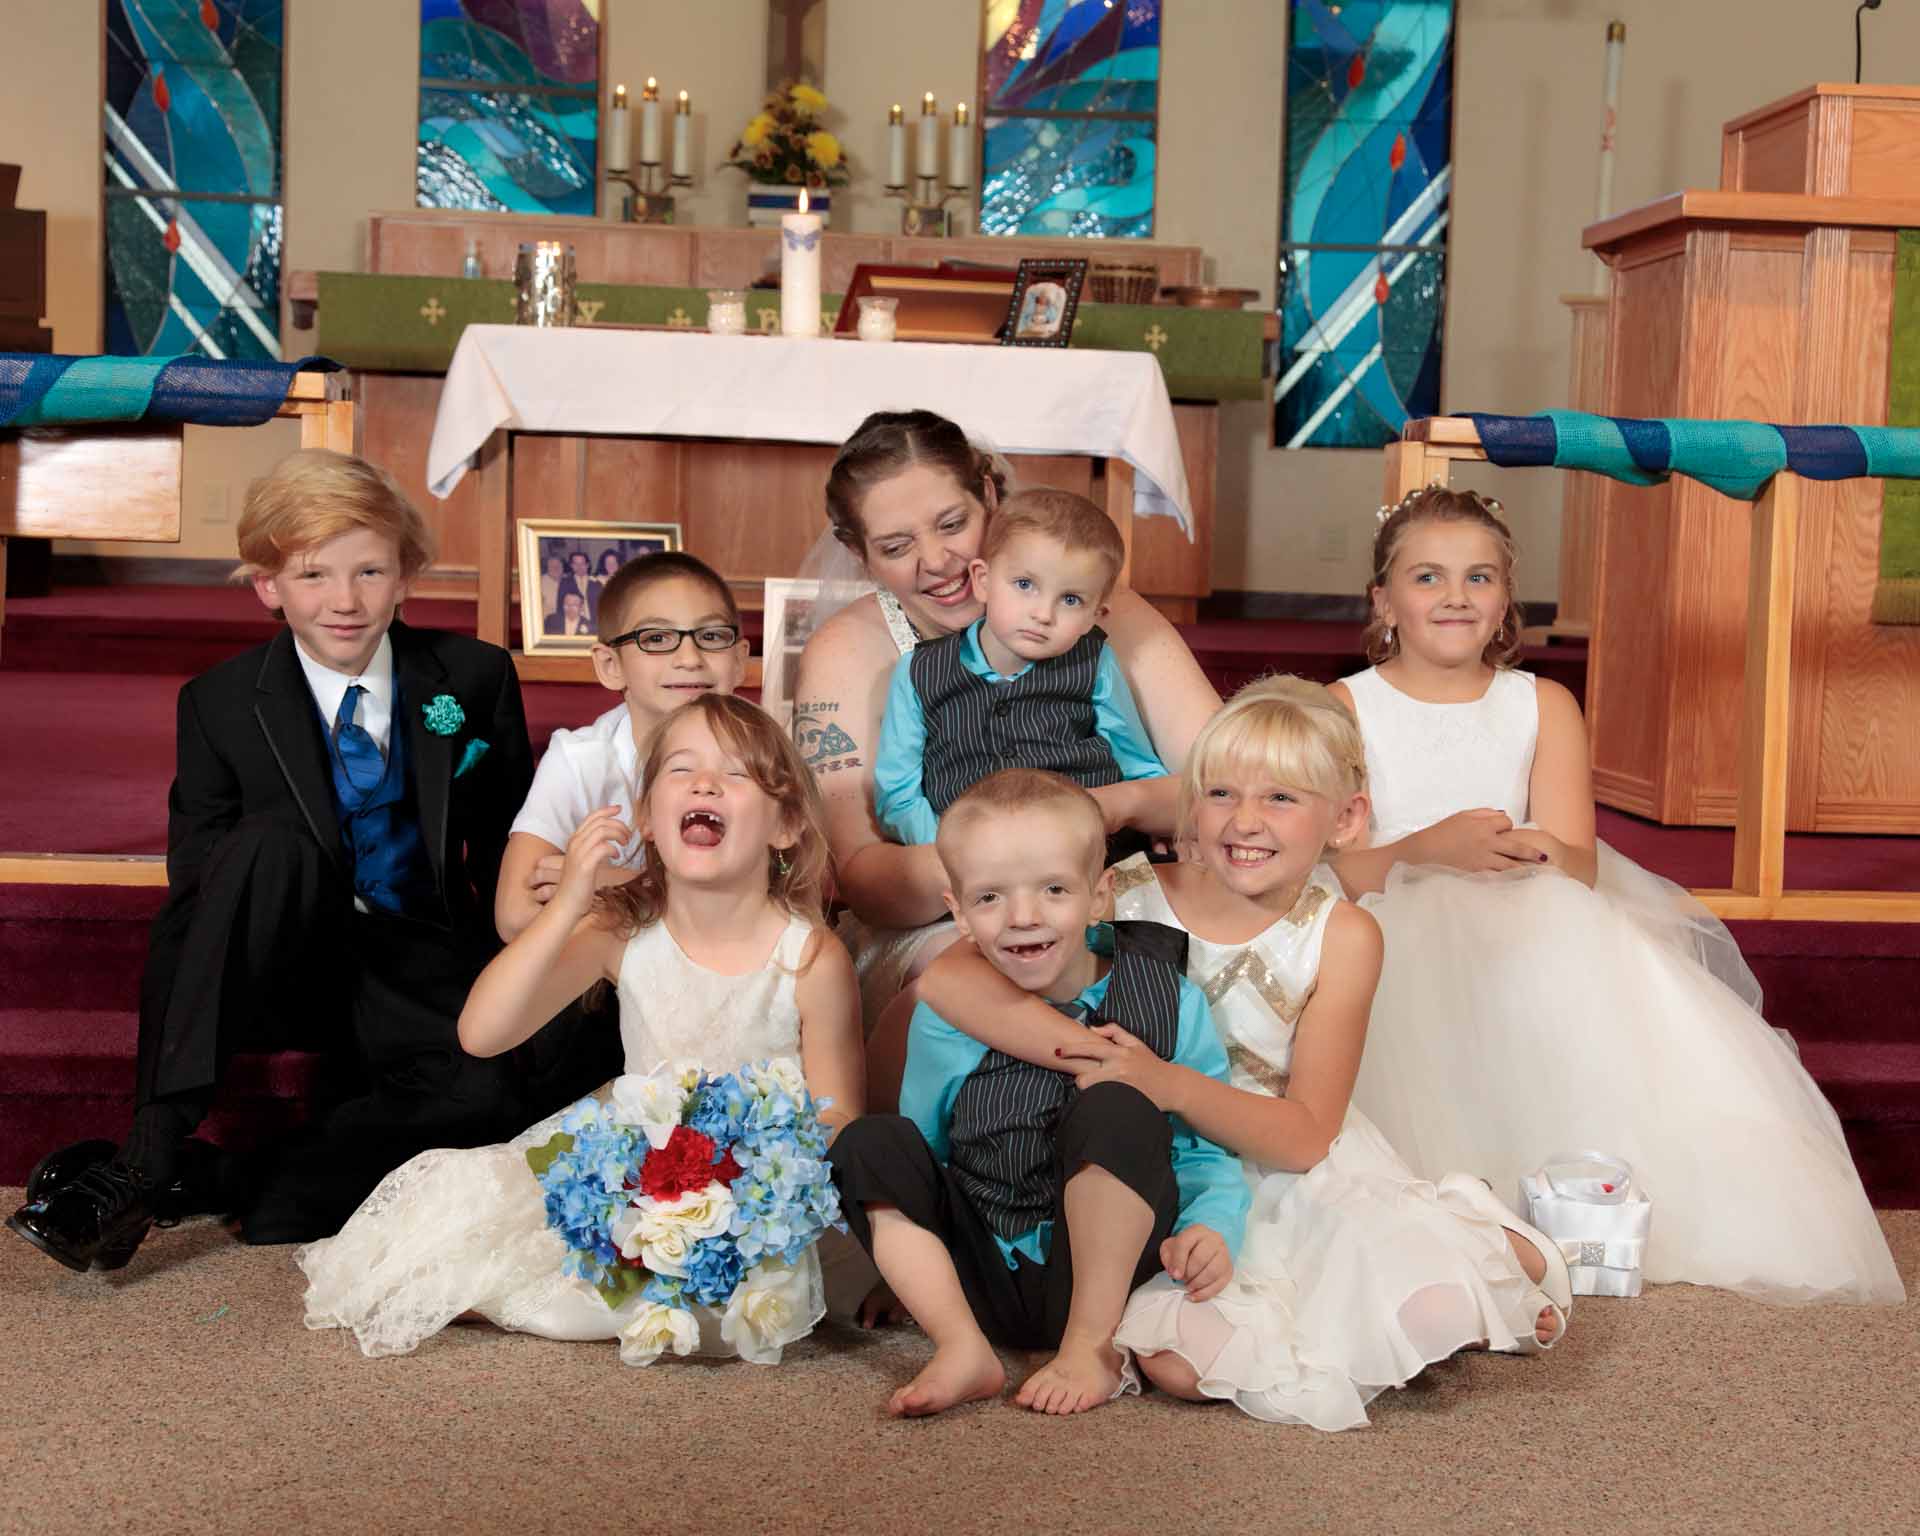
(1772, 303)
(607, 478)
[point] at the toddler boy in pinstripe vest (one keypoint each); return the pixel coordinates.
(1004, 1204)
(1029, 684)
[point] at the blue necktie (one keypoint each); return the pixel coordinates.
(359, 754)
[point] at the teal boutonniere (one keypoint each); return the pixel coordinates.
(476, 749)
(444, 714)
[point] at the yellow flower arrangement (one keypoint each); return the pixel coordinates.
(785, 143)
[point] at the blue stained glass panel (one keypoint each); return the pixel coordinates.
(1072, 93)
(192, 177)
(524, 136)
(1365, 211)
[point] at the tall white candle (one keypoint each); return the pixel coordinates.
(896, 148)
(1609, 117)
(927, 142)
(650, 123)
(618, 131)
(800, 272)
(683, 136)
(960, 150)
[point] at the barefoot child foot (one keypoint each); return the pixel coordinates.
(1085, 1374)
(965, 1372)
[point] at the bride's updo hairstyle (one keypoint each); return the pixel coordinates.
(890, 441)
(1441, 504)
(796, 877)
(1284, 729)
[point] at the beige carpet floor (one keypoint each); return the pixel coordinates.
(183, 1394)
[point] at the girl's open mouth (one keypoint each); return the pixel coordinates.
(702, 829)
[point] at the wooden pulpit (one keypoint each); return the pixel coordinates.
(1768, 300)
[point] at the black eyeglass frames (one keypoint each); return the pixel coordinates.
(659, 641)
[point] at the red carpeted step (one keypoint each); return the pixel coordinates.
(74, 946)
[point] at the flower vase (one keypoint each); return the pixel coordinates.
(767, 201)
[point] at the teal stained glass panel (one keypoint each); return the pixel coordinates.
(1365, 212)
(509, 106)
(1071, 91)
(192, 177)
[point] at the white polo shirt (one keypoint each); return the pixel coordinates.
(584, 769)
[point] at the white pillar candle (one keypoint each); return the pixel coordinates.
(618, 131)
(927, 143)
(896, 148)
(960, 149)
(800, 272)
(683, 136)
(650, 123)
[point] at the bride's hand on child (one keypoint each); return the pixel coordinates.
(590, 850)
(1482, 840)
(1108, 1054)
(1197, 1257)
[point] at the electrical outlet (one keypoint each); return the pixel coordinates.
(1330, 543)
(213, 505)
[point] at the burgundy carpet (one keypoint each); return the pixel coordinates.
(88, 680)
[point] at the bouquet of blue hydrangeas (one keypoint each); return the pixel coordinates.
(688, 1188)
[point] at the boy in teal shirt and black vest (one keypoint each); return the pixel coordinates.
(1003, 1204)
(1029, 684)
(341, 800)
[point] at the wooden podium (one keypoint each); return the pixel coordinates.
(1771, 301)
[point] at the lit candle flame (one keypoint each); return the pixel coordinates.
(620, 98)
(803, 200)
(927, 107)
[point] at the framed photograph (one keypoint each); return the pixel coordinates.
(791, 611)
(1046, 297)
(565, 564)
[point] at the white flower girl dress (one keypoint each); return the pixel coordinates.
(455, 1231)
(1521, 1014)
(1353, 1276)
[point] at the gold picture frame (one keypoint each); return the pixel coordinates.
(550, 624)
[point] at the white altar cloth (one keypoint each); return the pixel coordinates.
(773, 388)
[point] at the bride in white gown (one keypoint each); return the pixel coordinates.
(1540, 990)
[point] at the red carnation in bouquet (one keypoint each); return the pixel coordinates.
(685, 1163)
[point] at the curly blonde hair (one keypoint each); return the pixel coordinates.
(1285, 727)
(1441, 504)
(797, 877)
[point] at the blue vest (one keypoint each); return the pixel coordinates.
(381, 838)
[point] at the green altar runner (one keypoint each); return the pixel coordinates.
(412, 324)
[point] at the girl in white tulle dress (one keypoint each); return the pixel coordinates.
(1354, 1275)
(720, 956)
(1541, 992)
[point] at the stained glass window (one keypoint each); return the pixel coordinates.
(509, 105)
(1070, 93)
(192, 119)
(1363, 249)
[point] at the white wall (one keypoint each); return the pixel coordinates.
(1526, 128)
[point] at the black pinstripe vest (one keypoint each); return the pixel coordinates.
(1042, 719)
(1000, 1144)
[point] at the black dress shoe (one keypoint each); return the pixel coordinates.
(195, 1192)
(95, 1221)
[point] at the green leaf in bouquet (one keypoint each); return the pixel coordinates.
(623, 1282)
(542, 1157)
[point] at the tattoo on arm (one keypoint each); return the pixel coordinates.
(824, 744)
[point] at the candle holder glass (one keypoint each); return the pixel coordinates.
(543, 279)
(727, 311)
(878, 321)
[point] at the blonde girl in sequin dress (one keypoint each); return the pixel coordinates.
(1355, 1275)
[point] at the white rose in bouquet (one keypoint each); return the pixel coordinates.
(784, 1073)
(776, 1304)
(654, 1331)
(660, 1234)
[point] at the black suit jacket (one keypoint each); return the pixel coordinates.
(251, 742)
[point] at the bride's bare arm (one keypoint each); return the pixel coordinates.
(1174, 696)
(839, 699)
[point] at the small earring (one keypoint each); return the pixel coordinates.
(780, 864)
(1389, 639)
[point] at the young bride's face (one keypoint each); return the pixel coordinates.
(1446, 592)
(923, 528)
(1261, 836)
(708, 819)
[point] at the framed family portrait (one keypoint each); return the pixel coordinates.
(1046, 297)
(565, 564)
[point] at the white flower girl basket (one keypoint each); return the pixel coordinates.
(1588, 1204)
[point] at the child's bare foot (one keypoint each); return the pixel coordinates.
(958, 1373)
(1546, 1328)
(1081, 1376)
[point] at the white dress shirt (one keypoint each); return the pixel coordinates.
(374, 714)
